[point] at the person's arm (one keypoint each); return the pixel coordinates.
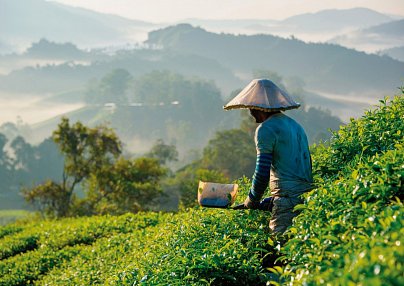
(260, 180)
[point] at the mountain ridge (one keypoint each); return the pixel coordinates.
(322, 66)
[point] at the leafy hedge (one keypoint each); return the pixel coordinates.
(350, 230)
(198, 246)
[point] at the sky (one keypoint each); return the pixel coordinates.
(160, 11)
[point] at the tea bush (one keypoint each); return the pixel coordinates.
(349, 232)
(39, 247)
(377, 131)
(195, 247)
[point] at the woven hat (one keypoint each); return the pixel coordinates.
(262, 94)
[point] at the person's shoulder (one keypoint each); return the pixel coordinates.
(289, 120)
(268, 127)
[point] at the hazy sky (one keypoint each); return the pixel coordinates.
(174, 10)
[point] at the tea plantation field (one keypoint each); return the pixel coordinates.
(349, 232)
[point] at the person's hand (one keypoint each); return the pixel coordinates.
(249, 204)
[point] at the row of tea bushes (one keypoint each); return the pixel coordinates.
(350, 231)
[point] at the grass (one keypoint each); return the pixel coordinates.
(9, 216)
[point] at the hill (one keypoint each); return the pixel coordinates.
(26, 21)
(319, 26)
(333, 20)
(349, 230)
(56, 22)
(323, 67)
(376, 38)
(396, 53)
(75, 72)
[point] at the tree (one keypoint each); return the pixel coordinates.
(112, 183)
(163, 153)
(5, 165)
(4, 158)
(127, 186)
(232, 152)
(86, 151)
(113, 86)
(24, 154)
(49, 198)
(49, 163)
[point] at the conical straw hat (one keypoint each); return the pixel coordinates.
(262, 94)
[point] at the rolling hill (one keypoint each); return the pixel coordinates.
(333, 20)
(323, 67)
(27, 21)
(318, 26)
(376, 38)
(396, 53)
(348, 231)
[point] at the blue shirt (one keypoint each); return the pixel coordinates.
(286, 140)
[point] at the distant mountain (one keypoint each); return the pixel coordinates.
(319, 26)
(376, 38)
(26, 21)
(50, 50)
(322, 66)
(57, 77)
(335, 20)
(390, 29)
(396, 53)
(236, 26)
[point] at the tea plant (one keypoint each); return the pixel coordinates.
(377, 131)
(350, 231)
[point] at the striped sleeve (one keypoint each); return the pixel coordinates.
(261, 176)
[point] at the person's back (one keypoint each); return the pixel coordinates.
(283, 156)
(291, 164)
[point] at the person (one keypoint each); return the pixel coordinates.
(283, 155)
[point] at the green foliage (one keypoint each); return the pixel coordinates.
(232, 152)
(126, 186)
(166, 87)
(92, 158)
(322, 65)
(350, 231)
(378, 131)
(163, 152)
(87, 151)
(28, 165)
(112, 88)
(199, 246)
(49, 198)
(9, 229)
(53, 243)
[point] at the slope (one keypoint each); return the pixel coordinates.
(25, 21)
(334, 20)
(373, 39)
(322, 66)
(349, 231)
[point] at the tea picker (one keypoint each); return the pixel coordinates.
(283, 156)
